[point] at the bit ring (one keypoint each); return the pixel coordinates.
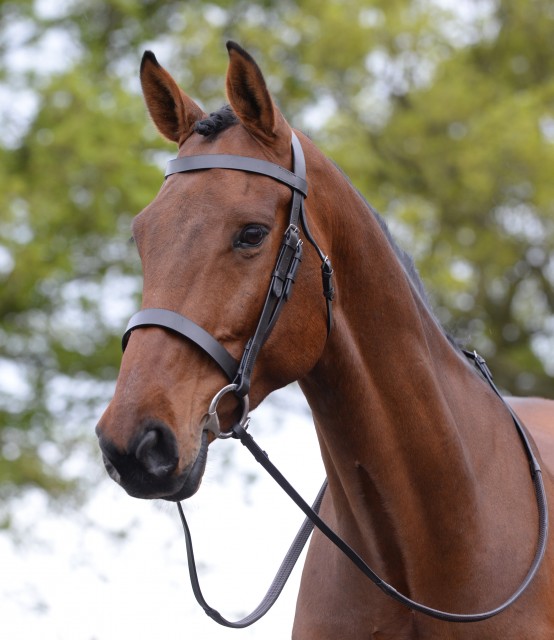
(212, 420)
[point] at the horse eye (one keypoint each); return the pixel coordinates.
(252, 236)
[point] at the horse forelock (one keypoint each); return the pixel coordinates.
(217, 122)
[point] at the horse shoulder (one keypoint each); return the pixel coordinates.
(537, 414)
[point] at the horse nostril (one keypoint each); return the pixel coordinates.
(157, 452)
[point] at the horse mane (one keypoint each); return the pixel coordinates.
(408, 263)
(404, 257)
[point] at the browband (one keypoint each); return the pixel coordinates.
(238, 163)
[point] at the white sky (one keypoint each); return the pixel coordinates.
(75, 583)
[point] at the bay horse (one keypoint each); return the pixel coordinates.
(427, 478)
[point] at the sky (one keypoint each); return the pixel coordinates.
(75, 577)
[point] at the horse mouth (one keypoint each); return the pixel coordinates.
(174, 488)
(192, 478)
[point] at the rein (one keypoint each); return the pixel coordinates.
(282, 280)
(239, 431)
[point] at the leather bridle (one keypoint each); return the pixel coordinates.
(239, 373)
(282, 278)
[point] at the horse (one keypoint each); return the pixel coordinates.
(427, 477)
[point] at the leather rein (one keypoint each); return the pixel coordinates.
(239, 373)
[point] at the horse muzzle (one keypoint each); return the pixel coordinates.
(148, 468)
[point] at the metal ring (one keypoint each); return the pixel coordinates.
(245, 408)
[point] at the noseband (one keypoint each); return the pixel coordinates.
(282, 278)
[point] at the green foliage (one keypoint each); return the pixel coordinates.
(443, 118)
(470, 157)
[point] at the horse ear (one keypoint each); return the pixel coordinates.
(172, 111)
(249, 96)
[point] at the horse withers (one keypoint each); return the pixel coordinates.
(428, 479)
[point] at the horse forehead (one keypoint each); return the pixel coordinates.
(194, 199)
(190, 200)
(214, 202)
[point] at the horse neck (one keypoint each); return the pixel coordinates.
(402, 418)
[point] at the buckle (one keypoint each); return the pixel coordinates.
(327, 277)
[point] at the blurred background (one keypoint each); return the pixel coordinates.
(442, 114)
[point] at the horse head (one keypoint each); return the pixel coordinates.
(208, 244)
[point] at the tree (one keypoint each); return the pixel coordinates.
(470, 156)
(443, 118)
